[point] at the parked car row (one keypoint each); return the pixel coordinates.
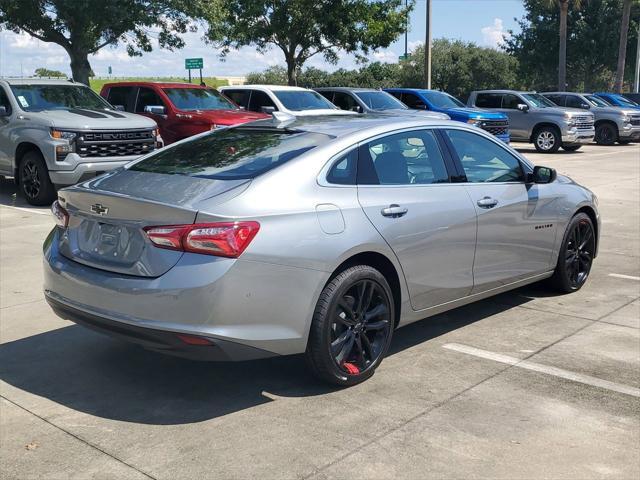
(55, 133)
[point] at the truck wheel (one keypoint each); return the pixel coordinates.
(606, 134)
(34, 180)
(547, 140)
(571, 148)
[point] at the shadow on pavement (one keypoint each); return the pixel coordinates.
(10, 196)
(88, 372)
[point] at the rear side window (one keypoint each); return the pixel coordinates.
(119, 96)
(234, 153)
(343, 171)
(484, 160)
(489, 100)
(402, 159)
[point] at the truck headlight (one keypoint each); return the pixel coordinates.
(571, 122)
(626, 119)
(474, 121)
(63, 135)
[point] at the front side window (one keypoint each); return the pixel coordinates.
(380, 101)
(119, 96)
(300, 100)
(4, 101)
(484, 160)
(489, 100)
(198, 99)
(230, 154)
(413, 101)
(443, 100)
(260, 99)
(34, 98)
(573, 101)
(403, 159)
(147, 98)
(344, 101)
(510, 101)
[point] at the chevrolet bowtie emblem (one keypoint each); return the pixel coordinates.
(99, 209)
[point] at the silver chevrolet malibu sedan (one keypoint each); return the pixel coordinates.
(317, 236)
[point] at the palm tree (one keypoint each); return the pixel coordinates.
(622, 48)
(562, 55)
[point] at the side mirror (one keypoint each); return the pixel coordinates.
(155, 109)
(268, 110)
(120, 108)
(421, 106)
(523, 107)
(585, 106)
(542, 175)
(3, 111)
(356, 108)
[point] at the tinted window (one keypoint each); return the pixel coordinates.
(328, 95)
(405, 158)
(197, 99)
(574, 101)
(119, 96)
(343, 171)
(33, 98)
(240, 97)
(232, 153)
(260, 99)
(4, 100)
(443, 100)
(489, 100)
(538, 100)
(344, 101)
(596, 101)
(147, 97)
(510, 101)
(380, 101)
(557, 99)
(484, 160)
(303, 100)
(413, 101)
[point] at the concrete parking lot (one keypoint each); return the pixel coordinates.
(524, 385)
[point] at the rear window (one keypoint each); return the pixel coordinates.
(231, 154)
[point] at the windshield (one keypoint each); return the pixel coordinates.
(538, 100)
(32, 98)
(595, 101)
(380, 101)
(442, 100)
(299, 100)
(230, 154)
(624, 101)
(198, 99)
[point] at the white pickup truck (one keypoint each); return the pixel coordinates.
(55, 133)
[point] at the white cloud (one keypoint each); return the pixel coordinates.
(493, 35)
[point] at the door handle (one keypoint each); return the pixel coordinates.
(487, 202)
(394, 211)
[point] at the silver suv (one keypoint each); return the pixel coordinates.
(613, 124)
(55, 133)
(535, 119)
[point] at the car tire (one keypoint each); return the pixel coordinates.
(352, 326)
(547, 139)
(606, 134)
(33, 179)
(574, 264)
(571, 148)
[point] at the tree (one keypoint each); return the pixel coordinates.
(622, 47)
(82, 27)
(45, 72)
(591, 47)
(563, 5)
(302, 29)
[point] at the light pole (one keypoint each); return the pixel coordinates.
(427, 48)
(406, 29)
(636, 80)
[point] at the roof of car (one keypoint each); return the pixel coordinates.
(41, 81)
(158, 84)
(503, 91)
(265, 87)
(340, 126)
(346, 89)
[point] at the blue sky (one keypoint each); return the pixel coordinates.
(480, 21)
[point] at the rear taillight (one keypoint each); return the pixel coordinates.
(60, 214)
(224, 239)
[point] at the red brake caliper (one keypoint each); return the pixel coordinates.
(351, 368)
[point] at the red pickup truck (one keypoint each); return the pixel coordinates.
(179, 109)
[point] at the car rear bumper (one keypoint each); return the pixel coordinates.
(260, 305)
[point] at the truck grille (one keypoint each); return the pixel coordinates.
(584, 122)
(114, 143)
(635, 120)
(496, 127)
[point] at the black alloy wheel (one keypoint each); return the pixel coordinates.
(352, 326)
(34, 180)
(606, 134)
(576, 256)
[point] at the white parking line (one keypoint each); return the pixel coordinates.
(625, 277)
(28, 210)
(537, 367)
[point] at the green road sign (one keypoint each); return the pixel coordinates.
(193, 63)
(405, 57)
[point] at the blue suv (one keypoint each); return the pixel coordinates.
(493, 122)
(617, 100)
